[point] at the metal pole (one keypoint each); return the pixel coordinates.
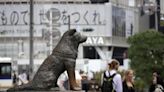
(69, 22)
(156, 15)
(69, 27)
(51, 41)
(31, 40)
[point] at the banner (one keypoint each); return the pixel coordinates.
(90, 19)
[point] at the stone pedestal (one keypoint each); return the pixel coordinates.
(47, 91)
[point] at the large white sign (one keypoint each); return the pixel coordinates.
(95, 40)
(14, 19)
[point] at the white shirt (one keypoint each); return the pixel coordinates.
(117, 85)
(23, 78)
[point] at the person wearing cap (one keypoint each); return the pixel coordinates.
(113, 66)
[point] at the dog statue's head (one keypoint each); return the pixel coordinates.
(75, 36)
(69, 43)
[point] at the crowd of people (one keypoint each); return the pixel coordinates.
(125, 83)
(111, 81)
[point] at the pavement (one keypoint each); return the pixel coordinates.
(43, 91)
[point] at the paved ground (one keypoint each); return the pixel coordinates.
(49, 91)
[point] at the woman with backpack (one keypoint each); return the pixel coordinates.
(112, 81)
(128, 83)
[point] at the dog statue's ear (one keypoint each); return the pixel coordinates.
(72, 31)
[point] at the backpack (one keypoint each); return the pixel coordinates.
(107, 85)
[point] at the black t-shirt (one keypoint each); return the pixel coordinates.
(127, 89)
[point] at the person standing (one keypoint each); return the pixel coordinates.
(14, 78)
(113, 75)
(84, 82)
(63, 82)
(23, 78)
(157, 83)
(128, 82)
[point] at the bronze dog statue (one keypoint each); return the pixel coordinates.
(63, 57)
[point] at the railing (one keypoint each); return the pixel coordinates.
(45, 1)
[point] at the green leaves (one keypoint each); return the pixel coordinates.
(146, 53)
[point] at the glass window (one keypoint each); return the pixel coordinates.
(5, 71)
(118, 19)
(90, 52)
(118, 54)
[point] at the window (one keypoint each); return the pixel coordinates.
(90, 52)
(5, 71)
(119, 22)
(118, 54)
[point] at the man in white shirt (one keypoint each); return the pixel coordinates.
(117, 80)
(23, 78)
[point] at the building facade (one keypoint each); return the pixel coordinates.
(107, 28)
(162, 15)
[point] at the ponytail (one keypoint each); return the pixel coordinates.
(114, 64)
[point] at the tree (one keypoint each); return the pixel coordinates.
(146, 52)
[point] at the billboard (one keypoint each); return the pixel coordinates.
(14, 19)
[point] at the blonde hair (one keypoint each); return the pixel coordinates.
(113, 64)
(126, 73)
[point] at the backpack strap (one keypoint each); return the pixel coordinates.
(105, 77)
(111, 77)
(106, 74)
